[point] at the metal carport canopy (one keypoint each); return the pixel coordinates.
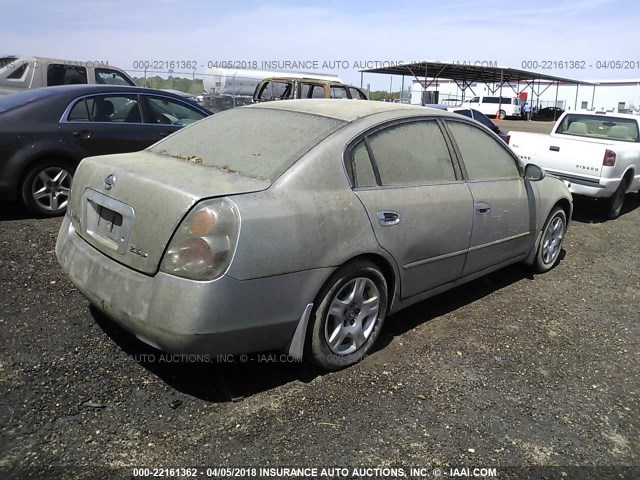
(467, 73)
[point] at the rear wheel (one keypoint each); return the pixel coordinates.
(614, 203)
(502, 114)
(349, 316)
(550, 246)
(46, 188)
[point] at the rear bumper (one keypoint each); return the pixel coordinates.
(588, 187)
(176, 315)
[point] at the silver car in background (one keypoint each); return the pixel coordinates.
(300, 225)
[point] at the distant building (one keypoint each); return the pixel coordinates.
(610, 95)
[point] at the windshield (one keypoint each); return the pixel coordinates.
(257, 142)
(600, 127)
(14, 100)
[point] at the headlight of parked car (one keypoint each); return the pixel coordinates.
(203, 245)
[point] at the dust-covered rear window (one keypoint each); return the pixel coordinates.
(257, 142)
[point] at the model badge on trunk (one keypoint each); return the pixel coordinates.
(138, 251)
(110, 181)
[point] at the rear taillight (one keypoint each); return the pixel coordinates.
(609, 159)
(507, 139)
(203, 245)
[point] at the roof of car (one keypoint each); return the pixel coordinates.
(347, 110)
(332, 81)
(45, 60)
(70, 91)
(93, 87)
(65, 93)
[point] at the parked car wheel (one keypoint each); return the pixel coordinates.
(551, 242)
(614, 203)
(348, 317)
(502, 114)
(46, 187)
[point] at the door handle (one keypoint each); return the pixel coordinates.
(482, 208)
(82, 133)
(387, 218)
(165, 134)
(553, 148)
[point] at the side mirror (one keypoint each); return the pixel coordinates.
(534, 172)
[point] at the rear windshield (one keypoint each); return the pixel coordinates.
(600, 126)
(14, 100)
(257, 142)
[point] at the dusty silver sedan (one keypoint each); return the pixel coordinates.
(300, 225)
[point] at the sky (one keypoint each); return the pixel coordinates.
(125, 33)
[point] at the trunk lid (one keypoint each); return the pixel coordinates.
(129, 205)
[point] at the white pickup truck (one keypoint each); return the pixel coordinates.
(597, 153)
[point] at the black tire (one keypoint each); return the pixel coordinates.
(502, 114)
(550, 246)
(353, 331)
(613, 205)
(46, 187)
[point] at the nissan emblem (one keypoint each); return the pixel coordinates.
(110, 181)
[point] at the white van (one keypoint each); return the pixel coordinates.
(492, 106)
(18, 73)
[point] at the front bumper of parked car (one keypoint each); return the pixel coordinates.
(177, 315)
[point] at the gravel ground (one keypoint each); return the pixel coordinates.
(522, 126)
(514, 369)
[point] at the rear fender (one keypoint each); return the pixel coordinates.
(549, 192)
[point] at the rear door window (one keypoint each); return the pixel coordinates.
(412, 153)
(79, 112)
(107, 108)
(276, 91)
(312, 90)
(60, 74)
(305, 90)
(318, 91)
(363, 175)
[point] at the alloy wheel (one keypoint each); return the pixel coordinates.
(50, 188)
(352, 316)
(552, 241)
